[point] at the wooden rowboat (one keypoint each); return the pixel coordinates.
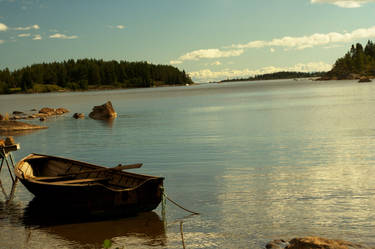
(87, 186)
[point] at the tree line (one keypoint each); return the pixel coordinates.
(357, 61)
(278, 75)
(89, 73)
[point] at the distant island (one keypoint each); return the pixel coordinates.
(357, 63)
(86, 74)
(279, 75)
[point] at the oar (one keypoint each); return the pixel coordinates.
(117, 168)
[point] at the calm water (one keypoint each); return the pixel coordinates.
(259, 161)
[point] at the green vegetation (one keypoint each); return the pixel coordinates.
(357, 62)
(87, 74)
(279, 75)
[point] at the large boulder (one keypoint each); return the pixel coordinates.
(313, 243)
(103, 112)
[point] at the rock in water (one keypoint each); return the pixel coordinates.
(9, 141)
(60, 111)
(6, 126)
(47, 110)
(103, 112)
(277, 244)
(364, 79)
(78, 115)
(313, 243)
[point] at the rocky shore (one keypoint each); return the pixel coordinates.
(43, 113)
(360, 78)
(314, 243)
(9, 123)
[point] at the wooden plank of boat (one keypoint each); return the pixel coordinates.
(73, 181)
(85, 180)
(49, 178)
(117, 168)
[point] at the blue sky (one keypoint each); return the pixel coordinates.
(210, 39)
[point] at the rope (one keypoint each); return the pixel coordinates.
(175, 203)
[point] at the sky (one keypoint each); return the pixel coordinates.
(209, 39)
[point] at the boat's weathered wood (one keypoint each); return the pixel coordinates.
(47, 178)
(86, 180)
(117, 168)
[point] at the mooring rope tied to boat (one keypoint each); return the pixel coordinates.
(175, 203)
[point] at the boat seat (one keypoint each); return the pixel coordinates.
(85, 180)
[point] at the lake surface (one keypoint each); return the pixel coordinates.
(259, 161)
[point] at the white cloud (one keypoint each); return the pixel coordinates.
(206, 75)
(175, 62)
(120, 26)
(35, 26)
(24, 35)
(62, 36)
(37, 37)
(345, 3)
(3, 27)
(286, 43)
(310, 41)
(210, 54)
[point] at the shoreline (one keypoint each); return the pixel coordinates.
(94, 89)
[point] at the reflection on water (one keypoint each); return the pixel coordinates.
(259, 161)
(61, 227)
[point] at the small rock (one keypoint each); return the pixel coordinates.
(42, 119)
(78, 115)
(364, 79)
(9, 141)
(15, 117)
(103, 112)
(33, 110)
(60, 111)
(17, 113)
(47, 110)
(321, 243)
(277, 244)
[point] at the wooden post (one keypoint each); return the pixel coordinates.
(5, 152)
